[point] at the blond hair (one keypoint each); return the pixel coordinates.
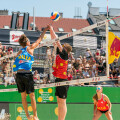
(68, 47)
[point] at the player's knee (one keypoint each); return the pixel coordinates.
(32, 95)
(62, 101)
(23, 97)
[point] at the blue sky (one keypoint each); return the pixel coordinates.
(43, 8)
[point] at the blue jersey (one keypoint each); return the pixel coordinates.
(23, 61)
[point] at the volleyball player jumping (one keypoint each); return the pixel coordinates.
(24, 78)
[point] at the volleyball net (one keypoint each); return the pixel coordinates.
(83, 68)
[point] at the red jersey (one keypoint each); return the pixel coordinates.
(60, 70)
(102, 105)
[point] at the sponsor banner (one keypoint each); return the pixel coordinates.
(18, 113)
(47, 38)
(14, 37)
(45, 95)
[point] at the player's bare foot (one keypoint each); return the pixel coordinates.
(35, 118)
(30, 118)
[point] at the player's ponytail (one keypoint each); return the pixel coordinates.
(95, 97)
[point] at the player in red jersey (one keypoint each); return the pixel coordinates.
(102, 105)
(60, 73)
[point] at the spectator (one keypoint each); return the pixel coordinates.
(80, 57)
(70, 56)
(4, 67)
(70, 67)
(84, 60)
(97, 54)
(0, 68)
(11, 52)
(9, 79)
(86, 70)
(88, 53)
(76, 66)
(36, 76)
(9, 49)
(4, 53)
(48, 52)
(101, 69)
(81, 69)
(70, 77)
(4, 49)
(102, 52)
(94, 69)
(86, 73)
(115, 64)
(114, 73)
(1, 48)
(87, 65)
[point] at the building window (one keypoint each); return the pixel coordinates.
(111, 21)
(6, 27)
(61, 29)
(73, 30)
(90, 31)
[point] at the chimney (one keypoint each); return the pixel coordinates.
(3, 12)
(61, 14)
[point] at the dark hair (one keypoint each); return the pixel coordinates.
(23, 40)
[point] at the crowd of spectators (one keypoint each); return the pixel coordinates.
(91, 65)
(6, 64)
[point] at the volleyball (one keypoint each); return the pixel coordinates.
(55, 16)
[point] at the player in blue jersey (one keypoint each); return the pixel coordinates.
(24, 78)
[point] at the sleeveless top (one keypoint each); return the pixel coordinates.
(23, 61)
(102, 105)
(60, 70)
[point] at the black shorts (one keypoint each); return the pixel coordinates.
(103, 111)
(61, 91)
(25, 82)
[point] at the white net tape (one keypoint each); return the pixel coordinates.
(72, 82)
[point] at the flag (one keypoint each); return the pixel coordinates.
(113, 47)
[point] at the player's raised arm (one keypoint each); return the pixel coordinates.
(53, 36)
(34, 45)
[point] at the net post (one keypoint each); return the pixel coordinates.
(107, 31)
